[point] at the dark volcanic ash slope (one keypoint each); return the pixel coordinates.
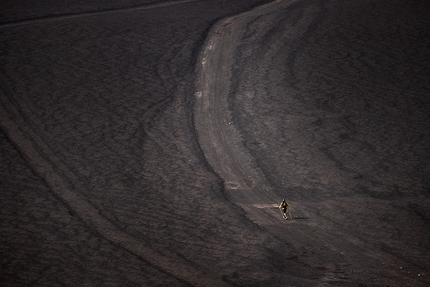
(332, 100)
(103, 182)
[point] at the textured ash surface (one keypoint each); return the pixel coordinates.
(110, 175)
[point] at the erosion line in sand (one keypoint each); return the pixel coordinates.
(65, 185)
(95, 13)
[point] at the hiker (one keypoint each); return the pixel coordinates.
(285, 207)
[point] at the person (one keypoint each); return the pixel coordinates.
(285, 208)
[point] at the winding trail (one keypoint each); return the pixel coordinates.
(220, 141)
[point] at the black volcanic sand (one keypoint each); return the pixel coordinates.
(104, 183)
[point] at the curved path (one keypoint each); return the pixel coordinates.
(246, 184)
(219, 139)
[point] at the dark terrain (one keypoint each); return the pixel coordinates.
(149, 143)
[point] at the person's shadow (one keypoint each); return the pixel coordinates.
(299, 218)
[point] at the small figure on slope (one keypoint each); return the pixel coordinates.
(285, 208)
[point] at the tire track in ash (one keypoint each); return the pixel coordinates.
(220, 141)
(66, 187)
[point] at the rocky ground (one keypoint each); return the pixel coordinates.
(148, 143)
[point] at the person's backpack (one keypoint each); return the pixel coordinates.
(284, 204)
